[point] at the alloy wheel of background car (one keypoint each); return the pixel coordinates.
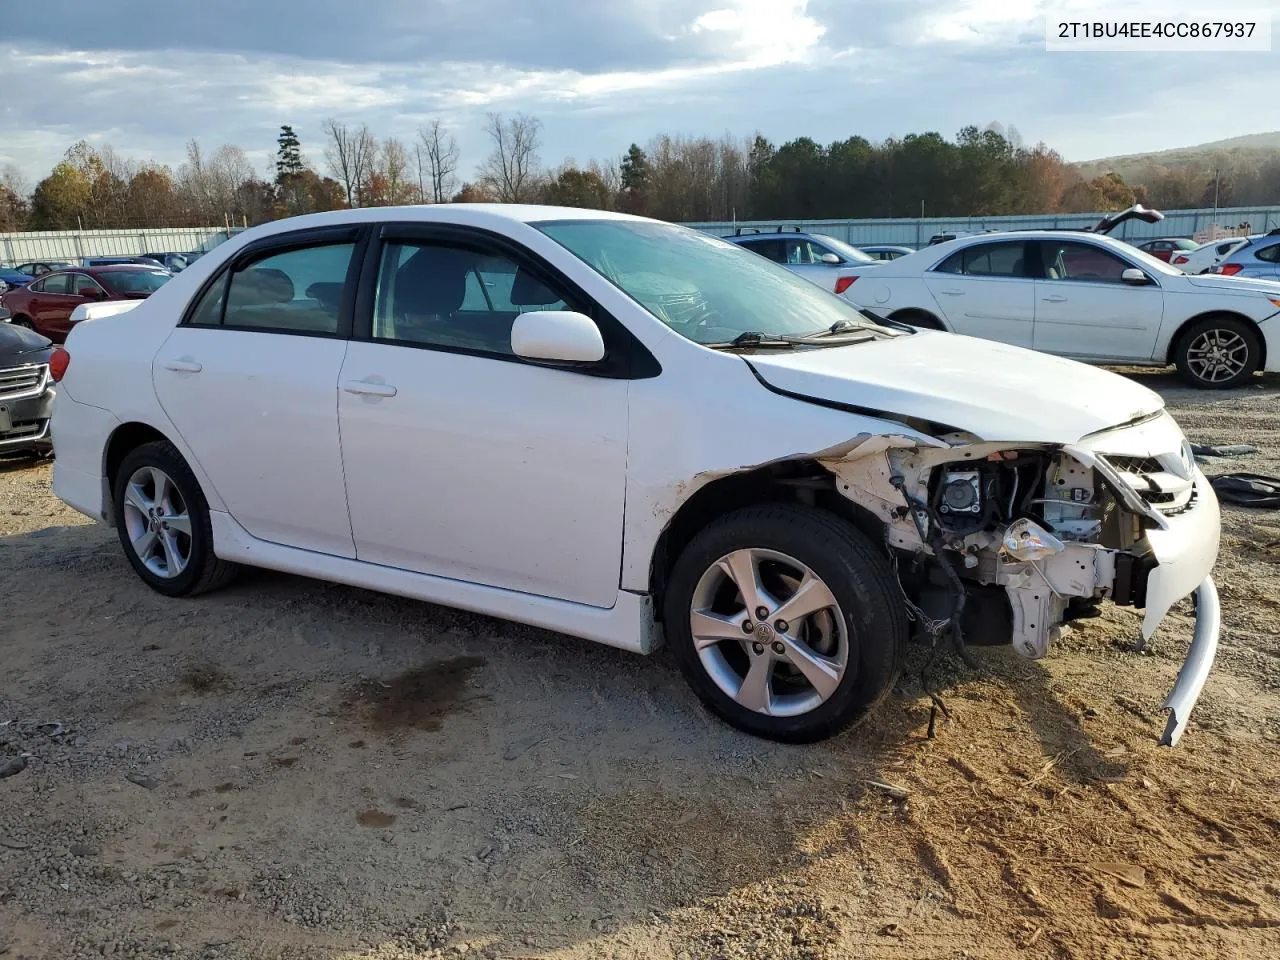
(163, 522)
(1217, 353)
(831, 637)
(769, 632)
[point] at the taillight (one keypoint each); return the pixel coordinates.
(844, 283)
(58, 363)
(1230, 269)
(1181, 258)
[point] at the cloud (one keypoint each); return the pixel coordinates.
(599, 75)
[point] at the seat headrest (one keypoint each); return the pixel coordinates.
(259, 285)
(528, 291)
(433, 281)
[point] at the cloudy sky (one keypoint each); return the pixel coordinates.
(600, 74)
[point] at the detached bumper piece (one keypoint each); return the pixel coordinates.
(1195, 670)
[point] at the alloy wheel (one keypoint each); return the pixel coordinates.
(769, 632)
(1217, 355)
(157, 522)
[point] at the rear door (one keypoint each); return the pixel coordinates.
(250, 379)
(984, 290)
(1084, 309)
(53, 308)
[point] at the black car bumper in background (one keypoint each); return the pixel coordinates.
(26, 404)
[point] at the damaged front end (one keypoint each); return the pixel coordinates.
(1008, 543)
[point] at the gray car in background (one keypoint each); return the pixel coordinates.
(885, 251)
(818, 258)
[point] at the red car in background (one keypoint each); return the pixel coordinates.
(1165, 249)
(45, 304)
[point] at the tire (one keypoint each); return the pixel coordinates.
(22, 322)
(919, 318)
(1239, 341)
(180, 573)
(867, 605)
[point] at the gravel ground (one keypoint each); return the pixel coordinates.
(295, 769)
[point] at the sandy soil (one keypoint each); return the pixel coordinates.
(290, 768)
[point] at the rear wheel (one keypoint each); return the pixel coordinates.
(163, 522)
(1218, 352)
(785, 622)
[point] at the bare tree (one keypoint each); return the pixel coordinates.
(350, 154)
(511, 172)
(394, 185)
(440, 151)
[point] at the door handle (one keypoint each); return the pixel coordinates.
(952, 292)
(183, 366)
(364, 388)
(1054, 299)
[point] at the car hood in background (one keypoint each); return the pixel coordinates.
(995, 391)
(1214, 281)
(18, 345)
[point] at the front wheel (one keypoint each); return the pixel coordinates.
(163, 522)
(1219, 352)
(785, 622)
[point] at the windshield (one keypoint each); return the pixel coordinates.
(700, 286)
(852, 254)
(135, 281)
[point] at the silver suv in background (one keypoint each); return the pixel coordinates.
(816, 257)
(1259, 258)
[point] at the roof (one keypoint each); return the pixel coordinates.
(108, 268)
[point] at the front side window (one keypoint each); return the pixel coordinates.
(1082, 262)
(129, 282)
(295, 291)
(86, 286)
(57, 283)
(702, 287)
(443, 295)
(842, 250)
(987, 260)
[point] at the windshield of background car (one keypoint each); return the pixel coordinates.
(135, 281)
(700, 286)
(852, 254)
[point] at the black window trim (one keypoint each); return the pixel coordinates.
(626, 358)
(1258, 253)
(356, 234)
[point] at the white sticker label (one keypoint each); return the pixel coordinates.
(1152, 30)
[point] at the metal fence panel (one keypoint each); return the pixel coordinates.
(74, 244)
(915, 231)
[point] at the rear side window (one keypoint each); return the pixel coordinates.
(57, 283)
(296, 291)
(1269, 254)
(774, 250)
(986, 260)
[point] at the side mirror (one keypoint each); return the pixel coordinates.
(1135, 276)
(830, 258)
(556, 335)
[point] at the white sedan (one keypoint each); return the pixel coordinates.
(1084, 296)
(1208, 255)
(626, 431)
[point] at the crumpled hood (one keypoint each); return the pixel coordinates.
(992, 390)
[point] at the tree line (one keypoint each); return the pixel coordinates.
(980, 172)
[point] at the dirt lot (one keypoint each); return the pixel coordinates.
(290, 768)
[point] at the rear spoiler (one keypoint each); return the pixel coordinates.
(96, 311)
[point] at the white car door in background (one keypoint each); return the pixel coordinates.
(249, 381)
(983, 291)
(1085, 309)
(464, 461)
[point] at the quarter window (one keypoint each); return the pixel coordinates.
(1082, 262)
(297, 291)
(1269, 254)
(986, 260)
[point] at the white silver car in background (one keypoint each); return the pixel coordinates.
(627, 431)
